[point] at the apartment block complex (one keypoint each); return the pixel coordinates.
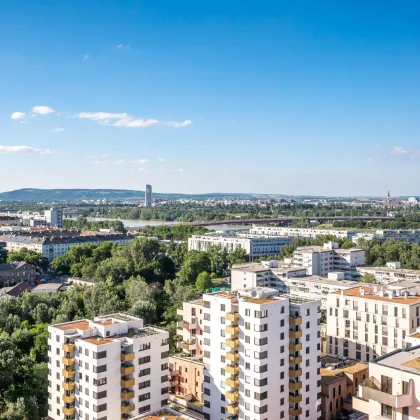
(293, 232)
(110, 368)
(261, 353)
(391, 391)
(287, 280)
(406, 235)
(254, 245)
(54, 244)
(391, 273)
(321, 260)
(366, 322)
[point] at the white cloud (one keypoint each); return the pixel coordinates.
(125, 120)
(140, 169)
(23, 149)
(42, 110)
(100, 162)
(143, 161)
(123, 47)
(128, 121)
(86, 57)
(100, 116)
(177, 124)
(57, 129)
(119, 162)
(398, 150)
(161, 160)
(18, 116)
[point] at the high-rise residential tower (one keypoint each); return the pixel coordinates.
(109, 368)
(148, 196)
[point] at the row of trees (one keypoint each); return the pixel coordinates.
(82, 223)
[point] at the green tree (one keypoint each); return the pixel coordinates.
(368, 278)
(237, 256)
(195, 263)
(203, 282)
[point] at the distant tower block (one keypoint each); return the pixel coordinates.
(148, 196)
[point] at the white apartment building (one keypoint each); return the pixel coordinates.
(55, 246)
(290, 280)
(366, 322)
(54, 217)
(406, 235)
(391, 273)
(254, 245)
(320, 260)
(110, 368)
(190, 327)
(294, 232)
(261, 354)
(392, 390)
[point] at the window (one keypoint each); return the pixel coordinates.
(144, 372)
(247, 312)
(99, 382)
(100, 355)
(206, 391)
(247, 326)
(99, 395)
(260, 382)
(146, 346)
(144, 409)
(247, 339)
(223, 308)
(260, 328)
(260, 356)
(99, 408)
(164, 366)
(144, 397)
(261, 314)
(86, 352)
(222, 320)
(99, 369)
(260, 341)
(146, 384)
(206, 317)
(145, 359)
(260, 397)
(260, 369)
(247, 393)
(260, 410)
(206, 304)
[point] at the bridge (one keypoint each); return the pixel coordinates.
(289, 219)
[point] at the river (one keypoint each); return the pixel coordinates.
(143, 223)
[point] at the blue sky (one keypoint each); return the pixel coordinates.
(235, 96)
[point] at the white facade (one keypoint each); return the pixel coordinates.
(54, 217)
(320, 261)
(366, 322)
(109, 368)
(389, 274)
(406, 235)
(261, 353)
(292, 281)
(255, 246)
(293, 232)
(392, 390)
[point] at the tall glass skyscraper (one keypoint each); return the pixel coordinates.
(148, 196)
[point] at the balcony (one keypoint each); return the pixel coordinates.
(295, 399)
(232, 330)
(126, 407)
(68, 361)
(295, 360)
(233, 370)
(183, 324)
(232, 316)
(294, 322)
(127, 370)
(188, 346)
(232, 396)
(69, 411)
(127, 383)
(295, 347)
(232, 382)
(68, 386)
(68, 373)
(232, 409)
(371, 392)
(68, 398)
(68, 348)
(295, 411)
(295, 334)
(295, 386)
(232, 356)
(127, 357)
(128, 395)
(233, 344)
(295, 373)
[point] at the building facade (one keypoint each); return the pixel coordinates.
(293, 232)
(255, 246)
(110, 368)
(54, 217)
(391, 273)
(261, 356)
(16, 272)
(366, 322)
(148, 196)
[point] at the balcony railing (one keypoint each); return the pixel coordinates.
(232, 316)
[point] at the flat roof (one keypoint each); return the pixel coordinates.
(324, 280)
(75, 325)
(99, 341)
(355, 292)
(48, 287)
(407, 360)
(255, 267)
(389, 269)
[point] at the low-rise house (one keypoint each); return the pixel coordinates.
(51, 288)
(14, 291)
(16, 272)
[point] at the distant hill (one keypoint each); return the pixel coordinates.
(38, 195)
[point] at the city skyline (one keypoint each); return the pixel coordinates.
(193, 98)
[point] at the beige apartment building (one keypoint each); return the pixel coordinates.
(189, 328)
(366, 322)
(392, 390)
(339, 383)
(186, 378)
